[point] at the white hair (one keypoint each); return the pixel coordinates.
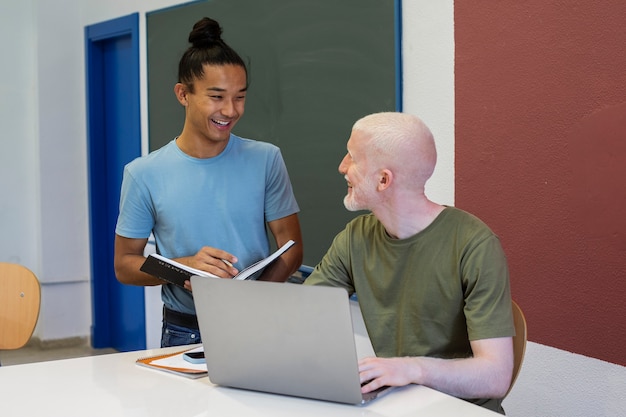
(402, 142)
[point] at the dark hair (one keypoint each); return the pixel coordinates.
(207, 47)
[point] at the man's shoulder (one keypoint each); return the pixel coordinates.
(462, 218)
(469, 230)
(153, 159)
(253, 145)
(363, 224)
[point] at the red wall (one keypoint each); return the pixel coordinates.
(541, 157)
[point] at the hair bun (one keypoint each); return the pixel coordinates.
(205, 33)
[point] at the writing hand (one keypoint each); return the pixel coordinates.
(212, 260)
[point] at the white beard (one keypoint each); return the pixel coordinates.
(362, 198)
(350, 203)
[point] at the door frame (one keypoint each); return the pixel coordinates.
(108, 296)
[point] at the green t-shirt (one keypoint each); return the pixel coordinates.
(429, 294)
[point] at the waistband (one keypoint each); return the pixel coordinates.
(177, 318)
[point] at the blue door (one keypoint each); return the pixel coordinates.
(113, 140)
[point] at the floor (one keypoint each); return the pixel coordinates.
(35, 353)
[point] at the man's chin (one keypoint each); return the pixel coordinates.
(350, 204)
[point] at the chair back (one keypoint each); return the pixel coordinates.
(519, 342)
(20, 299)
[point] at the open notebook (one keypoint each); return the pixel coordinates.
(177, 273)
(286, 338)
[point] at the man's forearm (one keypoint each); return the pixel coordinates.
(127, 271)
(464, 378)
(282, 268)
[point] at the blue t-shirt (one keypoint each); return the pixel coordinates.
(188, 203)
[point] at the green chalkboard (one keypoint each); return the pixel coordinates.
(315, 67)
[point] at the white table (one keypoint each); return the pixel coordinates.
(113, 385)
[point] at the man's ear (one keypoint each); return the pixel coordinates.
(384, 180)
(181, 92)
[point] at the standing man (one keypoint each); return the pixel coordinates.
(208, 195)
(432, 281)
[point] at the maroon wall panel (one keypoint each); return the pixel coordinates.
(541, 157)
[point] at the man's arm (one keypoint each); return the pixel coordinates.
(487, 374)
(283, 230)
(128, 259)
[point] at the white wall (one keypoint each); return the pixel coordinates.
(19, 159)
(556, 383)
(428, 76)
(43, 208)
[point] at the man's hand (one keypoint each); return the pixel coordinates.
(212, 260)
(379, 372)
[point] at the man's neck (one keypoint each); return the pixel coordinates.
(200, 147)
(408, 218)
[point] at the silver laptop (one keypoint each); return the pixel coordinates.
(280, 338)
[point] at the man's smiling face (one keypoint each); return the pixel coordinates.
(217, 102)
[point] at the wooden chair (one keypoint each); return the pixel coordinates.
(20, 299)
(519, 342)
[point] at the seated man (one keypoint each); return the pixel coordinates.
(432, 281)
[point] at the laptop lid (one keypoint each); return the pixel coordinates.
(286, 338)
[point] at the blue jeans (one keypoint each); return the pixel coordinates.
(173, 335)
